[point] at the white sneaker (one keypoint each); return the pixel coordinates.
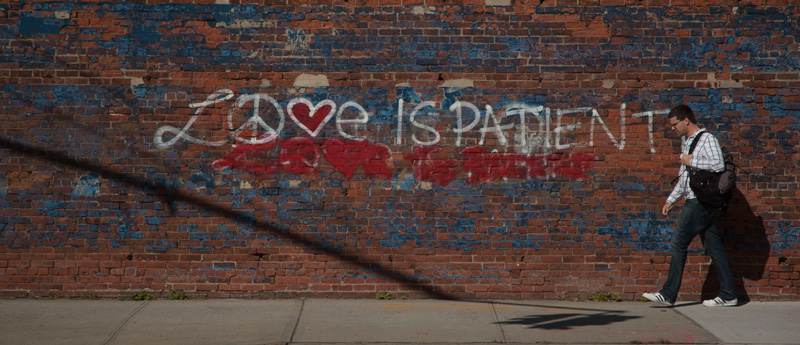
(658, 298)
(719, 302)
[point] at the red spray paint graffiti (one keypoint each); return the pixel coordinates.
(310, 117)
(347, 156)
(296, 156)
(485, 167)
(427, 168)
(304, 156)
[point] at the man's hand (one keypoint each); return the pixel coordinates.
(686, 159)
(667, 207)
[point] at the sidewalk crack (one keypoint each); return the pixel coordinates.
(297, 322)
(122, 324)
(499, 324)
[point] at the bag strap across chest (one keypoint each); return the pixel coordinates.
(691, 151)
(695, 141)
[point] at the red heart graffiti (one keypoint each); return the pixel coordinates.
(310, 117)
(344, 157)
(347, 156)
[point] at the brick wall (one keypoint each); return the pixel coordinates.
(464, 149)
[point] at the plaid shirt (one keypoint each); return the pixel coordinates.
(707, 156)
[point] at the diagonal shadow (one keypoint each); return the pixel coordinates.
(572, 317)
(549, 306)
(170, 195)
(567, 321)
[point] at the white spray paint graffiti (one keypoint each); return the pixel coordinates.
(216, 97)
(255, 121)
(312, 118)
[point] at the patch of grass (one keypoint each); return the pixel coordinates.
(388, 296)
(179, 295)
(384, 296)
(91, 296)
(142, 296)
(604, 297)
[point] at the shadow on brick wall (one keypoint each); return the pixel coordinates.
(745, 240)
(170, 195)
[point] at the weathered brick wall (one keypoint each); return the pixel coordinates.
(469, 149)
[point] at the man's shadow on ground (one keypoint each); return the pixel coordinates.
(568, 321)
(745, 241)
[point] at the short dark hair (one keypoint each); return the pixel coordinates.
(682, 112)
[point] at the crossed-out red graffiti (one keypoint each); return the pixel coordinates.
(485, 167)
(304, 156)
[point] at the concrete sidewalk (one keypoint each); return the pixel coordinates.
(322, 321)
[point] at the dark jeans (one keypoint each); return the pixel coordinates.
(695, 220)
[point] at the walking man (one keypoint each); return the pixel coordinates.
(694, 219)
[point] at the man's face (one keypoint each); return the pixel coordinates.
(679, 127)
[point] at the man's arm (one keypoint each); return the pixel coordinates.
(679, 191)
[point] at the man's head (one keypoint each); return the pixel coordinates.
(681, 120)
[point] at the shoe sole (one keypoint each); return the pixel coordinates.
(719, 305)
(658, 301)
(732, 303)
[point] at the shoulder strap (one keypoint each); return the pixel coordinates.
(694, 142)
(691, 151)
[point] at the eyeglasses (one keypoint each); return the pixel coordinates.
(673, 124)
